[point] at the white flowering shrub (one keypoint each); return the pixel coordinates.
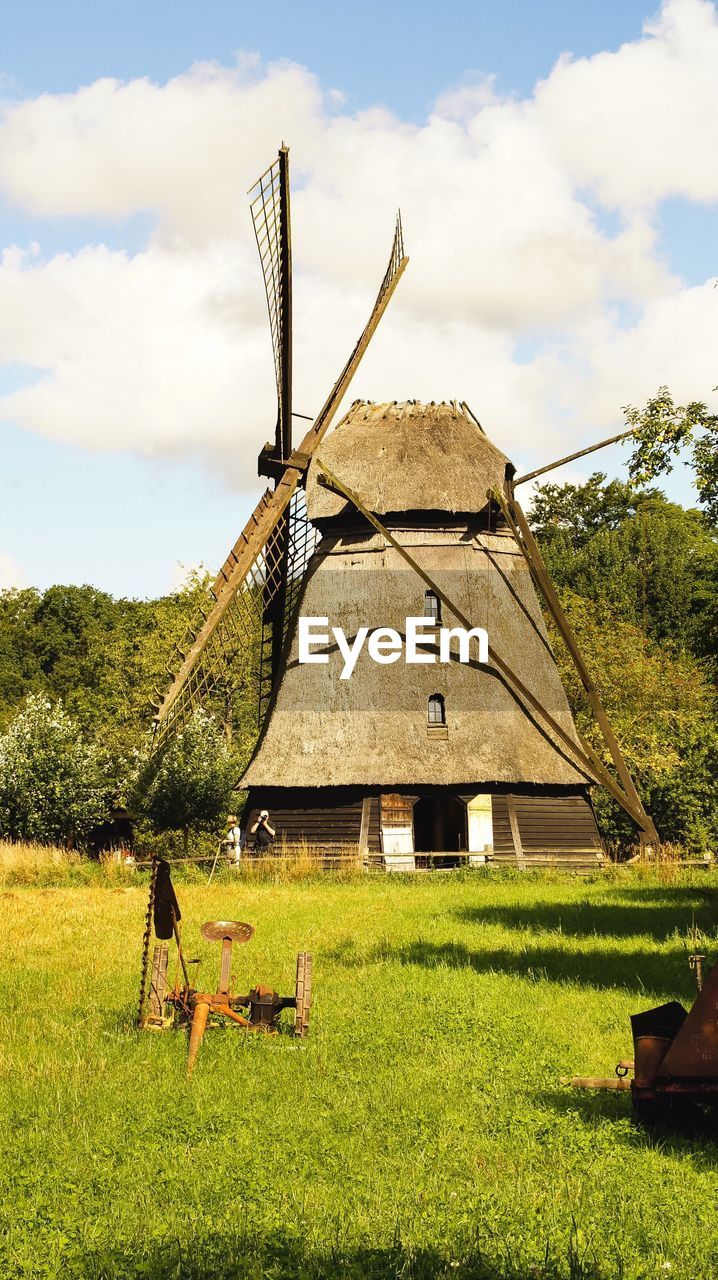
(193, 783)
(53, 784)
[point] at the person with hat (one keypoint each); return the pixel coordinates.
(263, 831)
(234, 840)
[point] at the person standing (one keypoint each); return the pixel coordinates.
(234, 840)
(263, 831)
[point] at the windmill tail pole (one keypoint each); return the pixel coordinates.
(571, 457)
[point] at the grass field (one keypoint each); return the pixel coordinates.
(421, 1131)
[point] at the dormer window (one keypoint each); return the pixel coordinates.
(437, 709)
(432, 606)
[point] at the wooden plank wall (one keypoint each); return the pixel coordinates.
(317, 820)
(396, 809)
(558, 829)
(553, 829)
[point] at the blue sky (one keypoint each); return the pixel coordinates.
(401, 54)
(77, 505)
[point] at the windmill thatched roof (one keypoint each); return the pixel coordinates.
(408, 457)
(372, 729)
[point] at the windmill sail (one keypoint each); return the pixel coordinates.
(230, 647)
(233, 644)
(272, 227)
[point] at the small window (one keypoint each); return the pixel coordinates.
(432, 606)
(437, 709)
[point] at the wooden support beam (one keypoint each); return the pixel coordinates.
(515, 833)
(521, 530)
(571, 457)
(364, 828)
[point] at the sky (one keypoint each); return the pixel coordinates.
(555, 168)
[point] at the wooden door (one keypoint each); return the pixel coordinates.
(481, 824)
(397, 823)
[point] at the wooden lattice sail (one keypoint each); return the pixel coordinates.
(255, 591)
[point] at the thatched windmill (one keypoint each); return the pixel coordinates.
(406, 510)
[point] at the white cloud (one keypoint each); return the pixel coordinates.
(168, 350)
(675, 341)
(11, 575)
(642, 123)
(155, 353)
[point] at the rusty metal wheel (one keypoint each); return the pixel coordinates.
(303, 994)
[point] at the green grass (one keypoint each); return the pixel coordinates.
(421, 1131)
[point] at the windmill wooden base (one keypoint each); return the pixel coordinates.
(526, 828)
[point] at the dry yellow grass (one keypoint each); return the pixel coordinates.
(42, 865)
(29, 861)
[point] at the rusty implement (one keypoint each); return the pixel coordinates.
(675, 1062)
(202, 1003)
(163, 1006)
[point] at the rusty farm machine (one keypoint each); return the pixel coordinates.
(673, 1074)
(163, 1005)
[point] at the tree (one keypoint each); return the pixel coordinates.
(654, 563)
(637, 576)
(663, 711)
(192, 784)
(662, 429)
(101, 657)
(53, 785)
(105, 658)
(20, 671)
(581, 510)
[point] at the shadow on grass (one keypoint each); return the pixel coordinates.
(639, 969)
(652, 912)
(249, 1257)
(687, 1134)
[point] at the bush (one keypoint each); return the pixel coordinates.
(53, 785)
(192, 785)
